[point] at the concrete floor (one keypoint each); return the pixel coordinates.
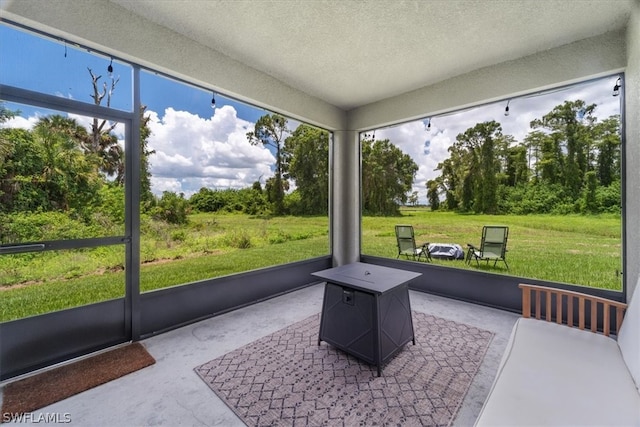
(169, 393)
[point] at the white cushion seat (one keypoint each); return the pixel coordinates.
(552, 374)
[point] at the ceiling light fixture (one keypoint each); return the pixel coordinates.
(506, 110)
(110, 67)
(213, 100)
(616, 88)
(428, 127)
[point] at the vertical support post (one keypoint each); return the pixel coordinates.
(132, 213)
(345, 198)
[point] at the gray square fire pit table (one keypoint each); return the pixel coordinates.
(366, 310)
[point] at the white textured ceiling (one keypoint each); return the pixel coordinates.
(351, 53)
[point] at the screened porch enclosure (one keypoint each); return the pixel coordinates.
(40, 341)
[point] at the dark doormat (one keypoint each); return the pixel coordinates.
(57, 384)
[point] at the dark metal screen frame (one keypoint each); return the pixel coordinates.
(38, 341)
(478, 287)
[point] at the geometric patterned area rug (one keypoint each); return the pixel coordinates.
(286, 379)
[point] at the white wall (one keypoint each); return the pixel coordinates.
(592, 57)
(632, 122)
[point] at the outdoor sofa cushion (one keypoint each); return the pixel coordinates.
(629, 336)
(552, 374)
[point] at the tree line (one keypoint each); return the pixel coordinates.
(303, 159)
(300, 183)
(569, 162)
(61, 166)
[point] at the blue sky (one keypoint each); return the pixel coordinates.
(199, 146)
(195, 144)
(58, 68)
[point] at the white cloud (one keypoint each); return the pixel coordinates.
(19, 122)
(166, 184)
(192, 152)
(425, 149)
(428, 148)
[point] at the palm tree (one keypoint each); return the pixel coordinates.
(68, 175)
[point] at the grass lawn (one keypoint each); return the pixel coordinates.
(583, 250)
(572, 249)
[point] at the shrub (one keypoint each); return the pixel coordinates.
(240, 240)
(532, 199)
(112, 202)
(609, 198)
(294, 204)
(279, 237)
(42, 226)
(172, 208)
(247, 200)
(179, 236)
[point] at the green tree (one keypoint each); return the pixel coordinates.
(104, 144)
(207, 200)
(567, 163)
(517, 168)
(22, 163)
(5, 144)
(307, 163)
(569, 124)
(479, 148)
(6, 114)
(413, 199)
(146, 196)
(546, 154)
(607, 135)
(387, 177)
(448, 182)
(589, 198)
(610, 197)
(68, 176)
(432, 194)
(270, 131)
